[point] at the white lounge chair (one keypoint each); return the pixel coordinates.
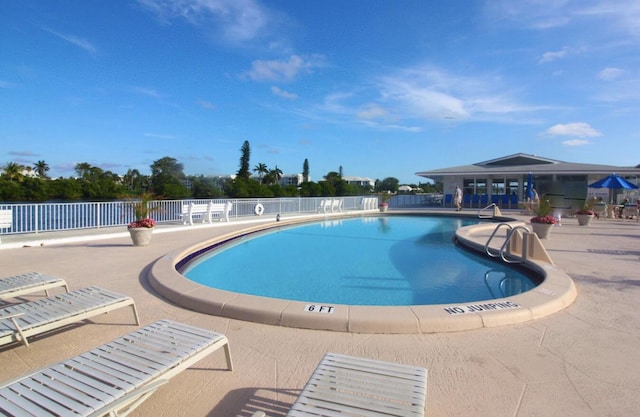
(344, 385)
(113, 379)
(325, 205)
(28, 283)
(21, 321)
(336, 205)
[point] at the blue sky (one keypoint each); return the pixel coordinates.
(379, 88)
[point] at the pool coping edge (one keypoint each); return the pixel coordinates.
(555, 293)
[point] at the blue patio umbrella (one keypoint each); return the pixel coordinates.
(529, 191)
(613, 182)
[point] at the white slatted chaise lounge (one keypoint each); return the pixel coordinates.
(357, 387)
(29, 283)
(21, 321)
(113, 379)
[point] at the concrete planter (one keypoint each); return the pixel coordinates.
(141, 236)
(383, 207)
(584, 219)
(543, 230)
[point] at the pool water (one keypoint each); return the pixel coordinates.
(387, 260)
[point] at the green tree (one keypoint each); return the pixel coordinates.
(310, 189)
(13, 171)
(262, 170)
(35, 189)
(334, 185)
(83, 169)
(203, 187)
(66, 189)
(390, 184)
(41, 168)
(9, 190)
(167, 176)
(245, 157)
(305, 170)
(134, 181)
(273, 176)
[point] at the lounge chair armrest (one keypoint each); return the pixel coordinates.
(131, 401)
(11, 316)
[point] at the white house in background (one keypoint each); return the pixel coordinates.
(503, 181)
(361, 181)
(291, 179)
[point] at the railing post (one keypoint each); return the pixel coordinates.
(35, 218)
(99, 209)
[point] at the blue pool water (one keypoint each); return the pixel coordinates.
(390, 260)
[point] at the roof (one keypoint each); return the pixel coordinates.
(518, 164)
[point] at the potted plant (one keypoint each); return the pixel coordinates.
(384, 197)
(141, 229)
(543, 222)
(585, 215)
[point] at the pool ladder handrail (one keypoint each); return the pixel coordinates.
(481, 211)
(487, 249)
(502, 253)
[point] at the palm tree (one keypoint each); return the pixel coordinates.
(13, 171)
(261, 169)
(83, 169)
(132, 179)
(41, 168)
(274, 175)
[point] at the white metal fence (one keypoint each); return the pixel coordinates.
(48, 217)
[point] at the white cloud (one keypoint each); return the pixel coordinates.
(372, 111)
(206, 105)
(74, 40)
(236, 21)
(533, 14)
(7, 84)
(575, 142)
(284, 70)
(609, 73)
(624, 14)
(284, 94)
(159, 136)
(553, 55)
(146, 91)
(430, 93)
(579, 129)
(611, 15)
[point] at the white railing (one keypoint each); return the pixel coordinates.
(50, 217)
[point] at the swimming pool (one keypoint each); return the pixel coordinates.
(382, 261)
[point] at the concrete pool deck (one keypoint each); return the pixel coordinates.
(581, 361)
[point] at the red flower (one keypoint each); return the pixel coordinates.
(544, 220)
(148, 223)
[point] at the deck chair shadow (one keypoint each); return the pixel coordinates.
(115, 378)
(20, 321)
(29, 283)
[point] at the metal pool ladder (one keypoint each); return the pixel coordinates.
(530, 245)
